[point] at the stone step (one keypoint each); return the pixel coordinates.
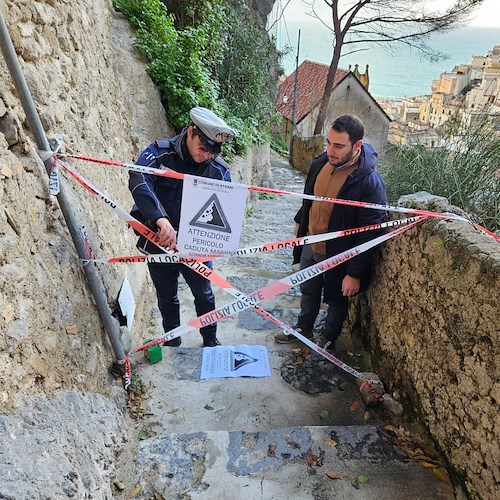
(268, 437)
(285, 463)
(304, 389)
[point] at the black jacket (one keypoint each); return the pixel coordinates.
(364, 184)
(156, 196)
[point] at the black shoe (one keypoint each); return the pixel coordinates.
(173, 343)
(326, 344)
(211, 343)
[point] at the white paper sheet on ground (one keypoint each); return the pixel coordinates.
(235, 361)
(212, 214)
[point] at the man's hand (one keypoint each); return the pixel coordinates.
(166, 233)
(296, 230)
(350, 286)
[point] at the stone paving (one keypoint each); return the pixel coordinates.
(283, 436)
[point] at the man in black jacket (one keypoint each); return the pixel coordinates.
(346, 171)
(194, 151)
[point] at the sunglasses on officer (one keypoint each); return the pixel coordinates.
(207, 145)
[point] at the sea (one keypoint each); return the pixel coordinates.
(395, 71)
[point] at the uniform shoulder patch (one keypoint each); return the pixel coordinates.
(163, 144)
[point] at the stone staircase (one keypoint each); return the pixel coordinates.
(303, 433)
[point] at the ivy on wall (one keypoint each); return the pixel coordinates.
(210, 54)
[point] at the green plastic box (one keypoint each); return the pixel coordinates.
(153, 354)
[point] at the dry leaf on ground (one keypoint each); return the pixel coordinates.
(332, 475)
(137, 489)
(441, 474)
(427, 465)
(311, 459)
(330, 442)
(355, 406)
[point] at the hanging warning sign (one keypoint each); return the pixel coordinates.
(212, 215)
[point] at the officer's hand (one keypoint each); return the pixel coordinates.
(296, 230)
(350, 286)
(166, 233)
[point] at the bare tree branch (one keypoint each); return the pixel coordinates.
(279, 17)
(386, 23)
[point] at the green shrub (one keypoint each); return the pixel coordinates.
(467, 172)
(211, 55)
(175, 58)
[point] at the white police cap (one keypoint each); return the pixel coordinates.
(214, 128)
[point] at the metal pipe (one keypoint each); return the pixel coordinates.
(42, 143)
(294, 103)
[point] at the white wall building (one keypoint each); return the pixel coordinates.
(349, 96)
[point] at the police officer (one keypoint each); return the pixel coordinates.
(194, 151)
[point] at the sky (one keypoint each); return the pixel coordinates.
(488, 15)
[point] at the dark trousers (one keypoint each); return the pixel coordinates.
(312, 292)
(166, 280)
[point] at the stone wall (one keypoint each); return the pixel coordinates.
(431, 316)
(65, 447)
(88, 84)
(304, 150)
(253, 168)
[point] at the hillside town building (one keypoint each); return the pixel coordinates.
(300, 104)
(468, 94)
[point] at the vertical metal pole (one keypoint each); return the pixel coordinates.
(42, 143)
(294, 102)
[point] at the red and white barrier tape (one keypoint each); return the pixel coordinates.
(271, 289)
(88, 246)
(54, 186)
(198, 267)
(389, 208)
(266, 247)
(127, 376)
(274, 288)
(211, 275)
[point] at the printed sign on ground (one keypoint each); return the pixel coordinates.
(235, 361)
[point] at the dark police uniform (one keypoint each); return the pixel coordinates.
(157, 197)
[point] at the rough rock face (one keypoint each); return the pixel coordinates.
(88, 84)
(61, 448)
(432, 315)
(261, 9)
(304, 149)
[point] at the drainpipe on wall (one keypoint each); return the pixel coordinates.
(294, 104)
(42, 143)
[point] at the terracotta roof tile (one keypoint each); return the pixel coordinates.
(310, 85)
